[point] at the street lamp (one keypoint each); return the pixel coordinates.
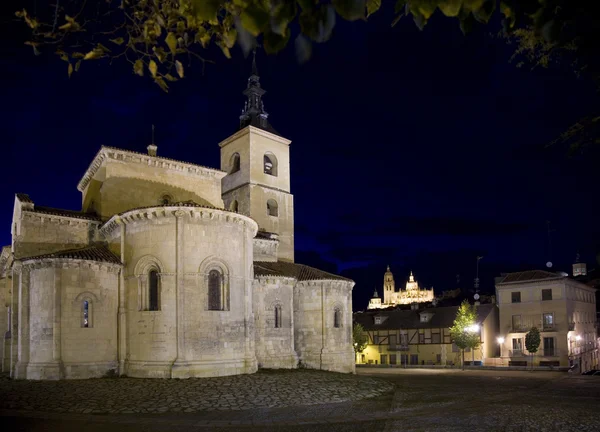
(500, 340)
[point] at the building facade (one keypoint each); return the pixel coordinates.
(172, 269)
(422, 337)
(391, 297)
(563, 310)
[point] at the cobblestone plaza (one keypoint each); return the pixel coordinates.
(375, 400)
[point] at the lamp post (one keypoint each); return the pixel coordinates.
(500, 340)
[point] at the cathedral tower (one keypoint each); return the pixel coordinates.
(389, 287)
(257, 162)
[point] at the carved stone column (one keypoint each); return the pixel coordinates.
(56, 325)
(14, 309)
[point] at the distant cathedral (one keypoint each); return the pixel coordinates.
(391, 297)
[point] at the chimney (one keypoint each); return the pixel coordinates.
(152, 148)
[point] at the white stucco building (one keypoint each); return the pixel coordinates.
(172, 269)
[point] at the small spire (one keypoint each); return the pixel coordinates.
(254, 68)
(388, 267)
(152, 148)
(375, 294)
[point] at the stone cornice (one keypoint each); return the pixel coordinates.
(68, 263)
(71, 220)
(327, 282)
(254, 130)
(109, 229)
(110, 153)
(274, 278)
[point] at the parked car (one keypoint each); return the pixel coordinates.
(595, 372)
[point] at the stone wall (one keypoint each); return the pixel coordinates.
(38, 233)
(318, 342)
(53, 343)
(274, 345)
(184, 338)
(265, 250)
(119, 180)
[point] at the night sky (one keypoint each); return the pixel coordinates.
(421, 150)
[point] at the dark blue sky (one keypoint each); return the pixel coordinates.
(417, 149)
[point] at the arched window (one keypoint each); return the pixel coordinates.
(86, 314)
(215, 290)
(234, 163)
(166, 200)
(337, 318)
(278, 316)
(233, 206)
(153, 291)
(270, 164)
(272, 209)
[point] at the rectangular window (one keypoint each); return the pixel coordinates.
(435, 338)
(376, 339)
(383, 359)
(392, 359)
(516, 297)
(455, 348)
(438, 358)
(516, 323)
(414, 359)
(548, 321)
(546, 294)
(403, 359)
(363, 358)
(421, 338)
(517, 346)
(549, 346)
(377, 320)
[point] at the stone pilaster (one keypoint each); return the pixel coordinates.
(180, 287)
(122, 323)
(23, 330)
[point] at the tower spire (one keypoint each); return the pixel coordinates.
(253, 113)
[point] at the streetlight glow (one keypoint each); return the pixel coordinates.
(500, 340)
(473, 328)
(578, 338)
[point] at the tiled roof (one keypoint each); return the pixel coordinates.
(65, 213)
(92, 253)
(24, 198)
(530, 275)
(442, 317)
(263, 235)
(300, 272)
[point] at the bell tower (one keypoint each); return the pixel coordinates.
(389, 287)
(257, 161)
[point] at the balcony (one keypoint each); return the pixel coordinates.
(548, 328)
(516, 353)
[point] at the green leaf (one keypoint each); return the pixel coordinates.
(399, 7)
(170, 77)
(450, 8)
(94, 54)
(484, 13)
(282, 15)
(70, 70)
(77, 65)
(153, 68)
(138, 67)
(117, 41)
(318, 24)
(203, 37)
(229, 37)
(350, 10)
(206, 10)
(255, 20)
(372, 7)
(225, 50)
(171, 41)
(162, 84)
(179, 68)
(274, 42)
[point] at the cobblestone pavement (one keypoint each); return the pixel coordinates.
(422, 400)
(265, 389)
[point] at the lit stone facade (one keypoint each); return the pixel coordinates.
(391, 297)
(171, 270)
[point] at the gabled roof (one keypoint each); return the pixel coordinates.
(529, 276)
(300, 272)
(92, 253)
(441, 317)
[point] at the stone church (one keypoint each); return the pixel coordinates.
(172, 270)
